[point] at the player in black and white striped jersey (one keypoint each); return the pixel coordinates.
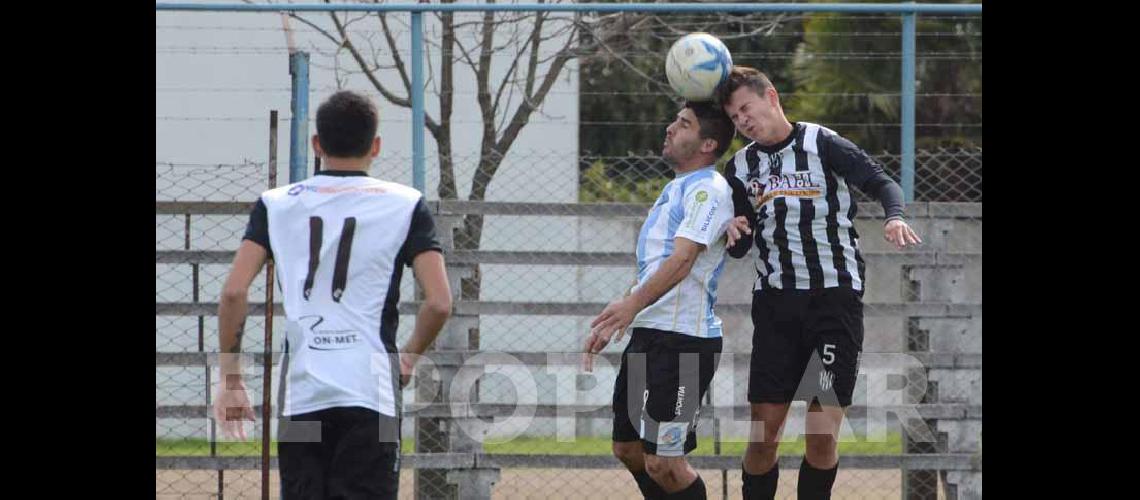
(807, 308)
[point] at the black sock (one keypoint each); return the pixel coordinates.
(815, 484)
(695, 491)
(649, 488)
(760, 486)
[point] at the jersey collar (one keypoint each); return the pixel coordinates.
(779, 146)
(691, 172)
(343, 173)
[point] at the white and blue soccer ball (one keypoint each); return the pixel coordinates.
(696, 64)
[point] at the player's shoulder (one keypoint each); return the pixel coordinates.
(392, 191)
(741, 154)
(812, 127)
(813, 135)
(708, 179)
(817, 136)
(282, 192)
(738, 165)
(402, 191)
(393, 194)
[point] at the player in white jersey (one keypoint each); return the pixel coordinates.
(676, 340)
(339, 242)
(807, 308)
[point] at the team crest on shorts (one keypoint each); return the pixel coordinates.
(671, 434)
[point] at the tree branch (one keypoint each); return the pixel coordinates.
(482, 75)
(507, 77)
(467, 56)
(447, 189)
(395, 53)
(487, 169)
(532, 66)
(320, 30)
(393, 98)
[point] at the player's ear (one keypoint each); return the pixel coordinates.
(772, 97)
(708, 145)
(375, 147)
(317, 146)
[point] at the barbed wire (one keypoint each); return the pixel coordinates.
(862, 55)
(399, 33)
(174, 164)
(331, 89)
(532, 121)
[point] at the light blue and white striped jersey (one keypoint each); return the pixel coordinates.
(696, 206)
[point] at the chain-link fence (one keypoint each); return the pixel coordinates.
(541, 237)
(543, 270)
(943, 174)
(193, 250)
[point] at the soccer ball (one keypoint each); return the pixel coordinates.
(696, 64)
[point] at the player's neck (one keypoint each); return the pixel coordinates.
(693, 166)
(779, 135)
(350, 164)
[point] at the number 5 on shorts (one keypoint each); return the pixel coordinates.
(828, 355)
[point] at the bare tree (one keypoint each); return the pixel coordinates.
(506, 106)
(538, 45)
(533, 47)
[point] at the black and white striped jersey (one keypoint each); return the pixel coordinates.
(804, 208)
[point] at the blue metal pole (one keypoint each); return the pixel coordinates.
(908, 43)
(299, 107)
(417, 101)
(855, 8)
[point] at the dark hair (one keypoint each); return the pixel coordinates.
(715, 124)
(741, 76)
(346, 125)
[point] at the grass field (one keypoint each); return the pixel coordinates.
(546, 446)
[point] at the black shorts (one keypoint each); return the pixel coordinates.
(657, 380)
(347, 453)
(806, 345)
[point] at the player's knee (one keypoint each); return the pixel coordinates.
(771, 436)
(767, 427)
(765, 453)
(664, 470)
(628, 453)
(656, 466)
(821, 447)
